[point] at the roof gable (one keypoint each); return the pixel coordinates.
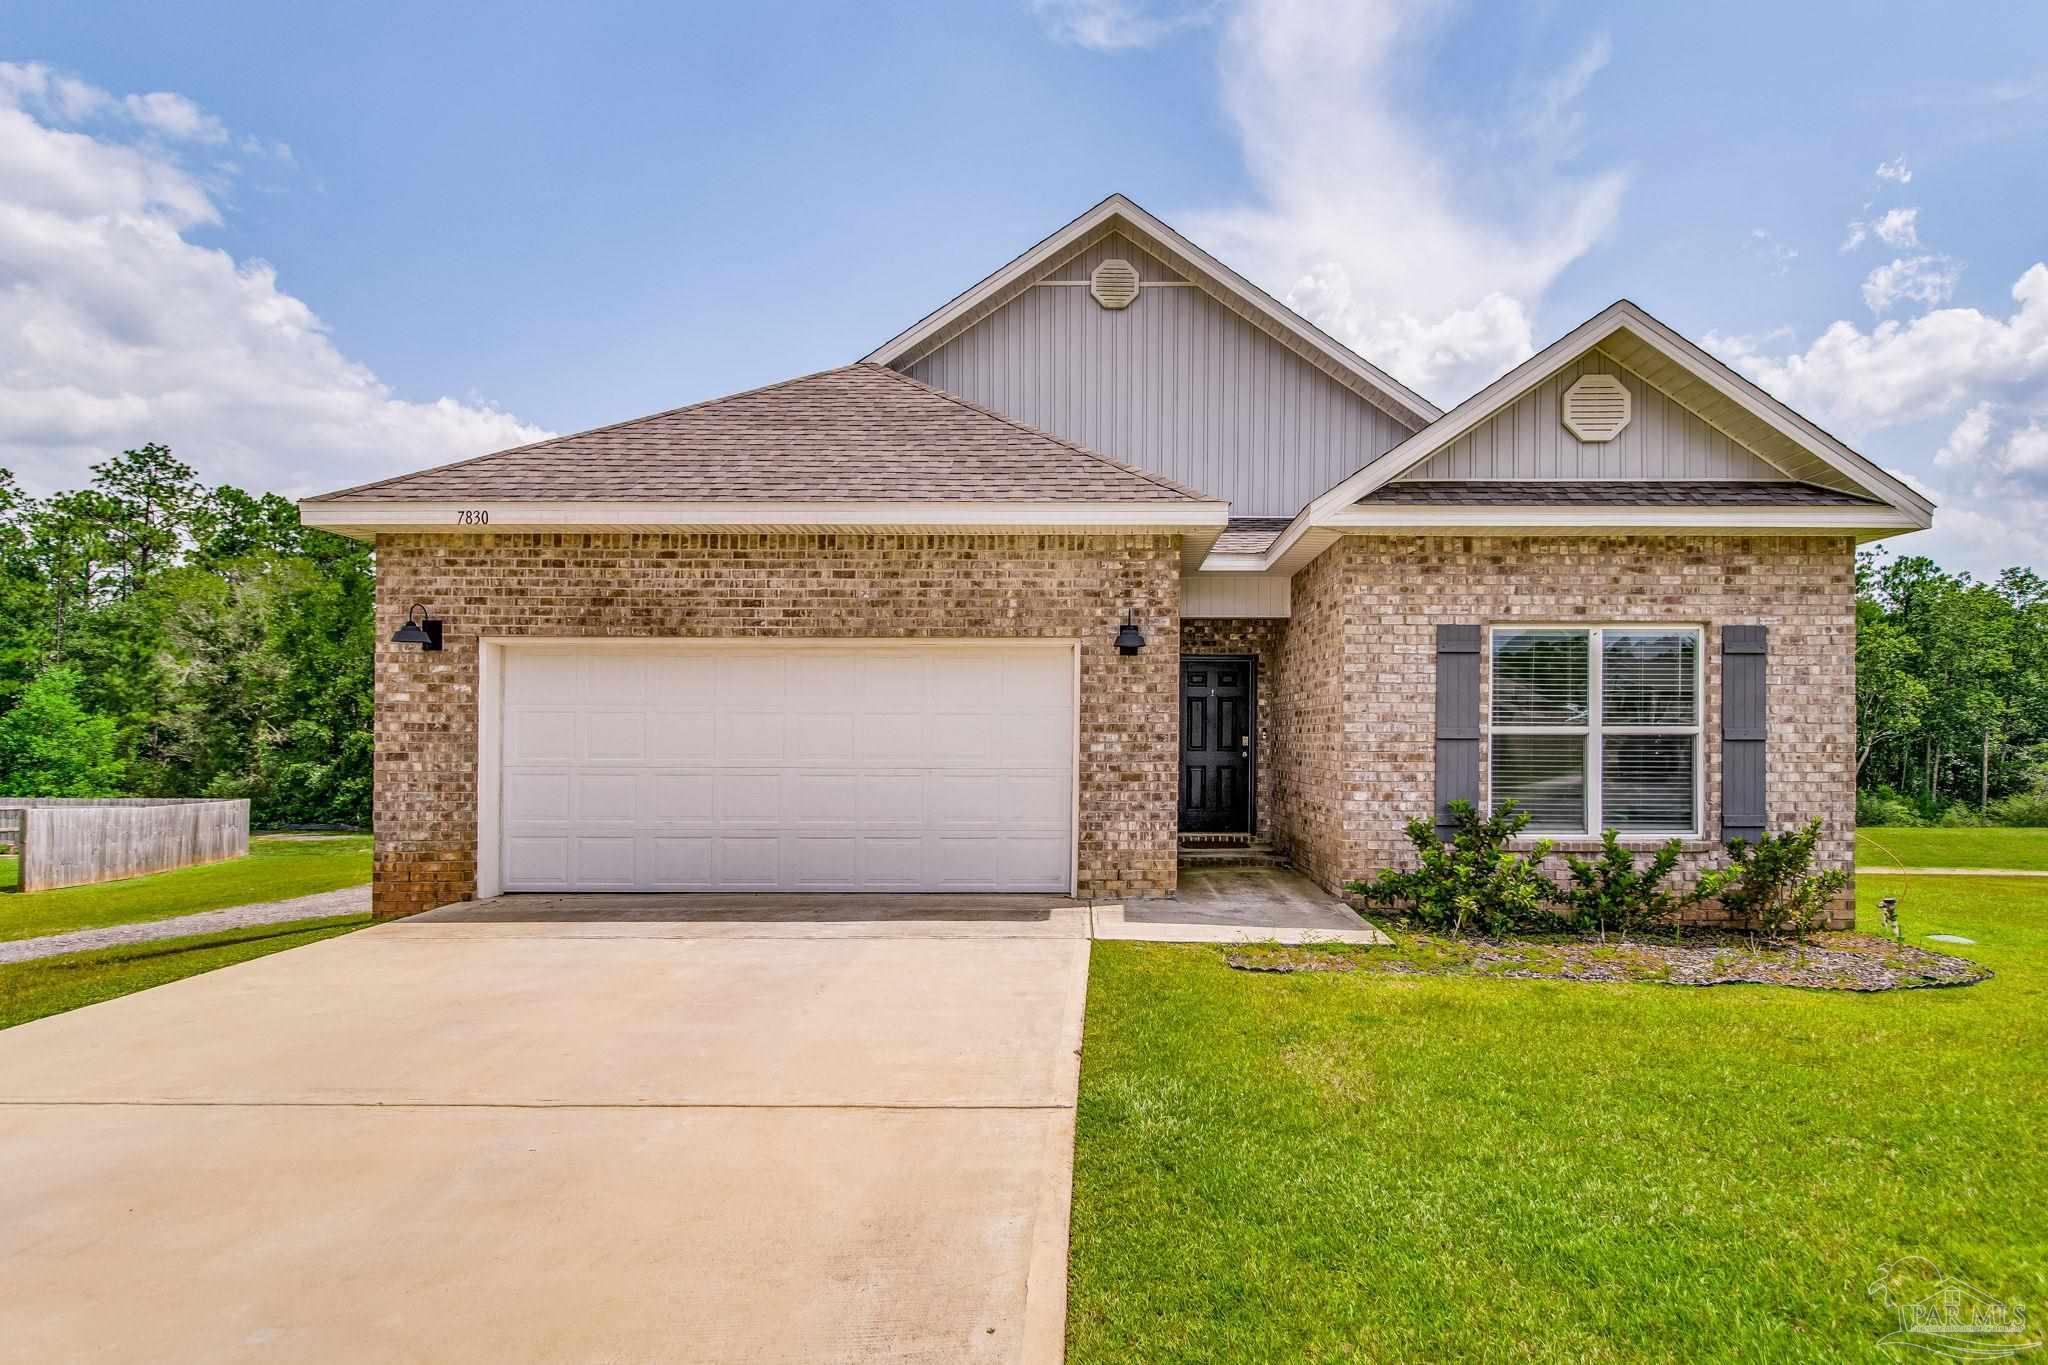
(1181, 257)
(1640, 345)
(861, 433)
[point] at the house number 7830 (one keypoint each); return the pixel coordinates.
(476, 517)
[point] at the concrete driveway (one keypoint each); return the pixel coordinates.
(563, 1141)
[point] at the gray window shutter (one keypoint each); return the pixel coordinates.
(1744, 653)
(1457, 720)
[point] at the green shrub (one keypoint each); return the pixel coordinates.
(2026, 809)
(1960, 817)
(1882, 806)
(1771, 885)
(1613, 891)
(1473, 881)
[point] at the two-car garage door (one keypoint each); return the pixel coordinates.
(725, 767)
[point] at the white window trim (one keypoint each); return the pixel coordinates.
(1593, 730)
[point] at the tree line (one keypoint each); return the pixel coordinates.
(1951, 694)
(162, 638)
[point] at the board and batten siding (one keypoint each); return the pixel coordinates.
(1209, 595)
(1176, 384)
(1527, 440)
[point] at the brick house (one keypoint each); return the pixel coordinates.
(1110, 551)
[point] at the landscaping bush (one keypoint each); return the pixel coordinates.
(2026, 809)
(1473, 880)
(1770, 884)
(1613, 890)
(1881, 806)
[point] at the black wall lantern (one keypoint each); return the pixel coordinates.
(418, 629)
(1128, 640)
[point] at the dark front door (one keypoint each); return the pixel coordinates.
(1216, 746)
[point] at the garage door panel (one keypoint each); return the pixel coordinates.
(967, 799)
(890, 681)
(681, 736)
(543, 735)
(960, 738)
(891, 862)
(682, 798)
(748, 862)
(605, 862)
(886, 799)
(840, 768)
(537, 796)
(749, 736)
(540, 862)
(608, 798)
(750, 798)
(611, 736)
(1036, 801)
(822, 798)
(755, 677)
(821, 738)
(680, 862)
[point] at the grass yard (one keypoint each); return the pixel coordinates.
(277, 868)
(2016, 850)
(1371, 1167)
(10, 871)
(51, 985)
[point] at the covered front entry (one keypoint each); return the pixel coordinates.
(1218, 730)
(785, 767)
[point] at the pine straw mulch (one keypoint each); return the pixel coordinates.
(1835, 961)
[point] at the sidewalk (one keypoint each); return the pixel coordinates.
(1945, 872)
(353, 900)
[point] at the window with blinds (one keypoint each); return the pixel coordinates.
(1597, 728)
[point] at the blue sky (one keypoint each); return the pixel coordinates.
(307, 249)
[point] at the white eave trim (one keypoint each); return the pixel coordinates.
(1526, 516)
(368, 517)
(1418, 409)
(1620, 316)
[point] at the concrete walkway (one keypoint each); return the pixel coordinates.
(1945, 872)
(353, 900)
(486, 1140)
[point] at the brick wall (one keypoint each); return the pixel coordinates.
(1259, 638)
(845, 586)
(1352, 785)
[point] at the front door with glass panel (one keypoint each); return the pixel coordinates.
(1216, 727)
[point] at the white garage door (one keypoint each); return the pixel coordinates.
(762, 768)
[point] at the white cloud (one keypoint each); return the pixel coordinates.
(1117, 25)
(1895, 171)
(1425, 250)
(117, 329)
(1905, 371)
(1926, 280)
(1776, 255)
(1859, 233)
(1965, 445)
(175, 117)
(1898, 228)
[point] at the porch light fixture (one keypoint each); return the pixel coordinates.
(418, 629)
(1128, 640)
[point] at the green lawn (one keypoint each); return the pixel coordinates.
(1371, 1167)
(10, 871)
(2017, 850)
(51, 985)
(277, 868)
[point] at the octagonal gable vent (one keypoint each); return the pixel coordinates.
(1596, 407)
(1114, 283)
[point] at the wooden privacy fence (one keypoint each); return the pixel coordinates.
(71, 842)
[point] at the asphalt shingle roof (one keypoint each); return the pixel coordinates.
(1249, 535)
(861, 433)
(1607, 493)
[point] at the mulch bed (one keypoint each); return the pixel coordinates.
(1826, 961)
